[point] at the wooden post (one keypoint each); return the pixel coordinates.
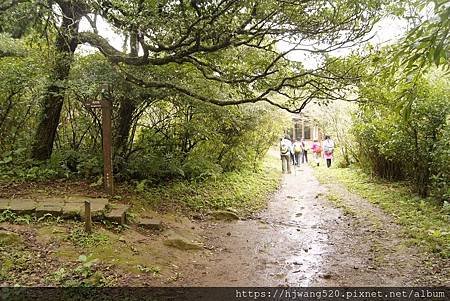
(107, 149)
(87, 217)
(108, 178)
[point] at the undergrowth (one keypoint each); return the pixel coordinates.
(79, 237)
(244, 191)
(425, 221)
(13, 218)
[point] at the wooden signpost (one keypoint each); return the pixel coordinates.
(108, 179)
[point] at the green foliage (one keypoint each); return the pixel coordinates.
(11, 217)
(401, 129)
(226, 57)
(83, 275)
(19, 262)
(80, 238)
(424, 221)
(21, 79)
(428, 42)
(440, 178)
(18, 18)
(77, 164)
(245, 191)
(168, 136)
(14, 259)
(159, 131)
(84, 269)
(10, 46)
(15, 167)
(150, 270)
(197, 142)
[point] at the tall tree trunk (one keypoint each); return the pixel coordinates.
(51, 111)
(124, 123)
(52, 103)
(127, 108)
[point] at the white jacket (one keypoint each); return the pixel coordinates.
(285, 144)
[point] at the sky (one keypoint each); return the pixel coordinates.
(385, 32)
(106, 31)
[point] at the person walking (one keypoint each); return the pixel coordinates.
(292, 152)
(305, 148)
(328, 149)
(285, 153)
(297, 151)
(317, 150)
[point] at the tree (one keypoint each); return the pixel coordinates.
(405, 142)
(9, 47)
(217, 42)
(65, 46)
(428, 41)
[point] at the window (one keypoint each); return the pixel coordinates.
(298, 131)
(291, 132)
(307, 132)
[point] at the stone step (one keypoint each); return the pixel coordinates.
(72, 210)
(4, 204)
(69, 207)
(55, 209)
(23, 206)
(150, 223)
(98, 208)
(117, 214)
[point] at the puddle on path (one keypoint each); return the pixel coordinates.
(284, 245)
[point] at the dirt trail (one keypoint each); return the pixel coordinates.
(301, 239)
(284, 245)
(309, 235)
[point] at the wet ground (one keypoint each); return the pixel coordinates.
(309, 235)
(283, 245)
(302, 239)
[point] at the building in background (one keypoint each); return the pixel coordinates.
(304, 126)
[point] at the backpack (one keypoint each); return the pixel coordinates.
(297, 148)
(284, 149)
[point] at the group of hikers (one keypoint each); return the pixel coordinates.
(292, 152)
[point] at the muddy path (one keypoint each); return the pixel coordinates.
(309, 235)
(303, 239)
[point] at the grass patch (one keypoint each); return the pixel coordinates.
(152, 270)
(425, 222)
(80, 238)
(339, 203)
(244, 191)
(85, 274)
(9, 238)
(27, 219)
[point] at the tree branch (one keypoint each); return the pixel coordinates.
(9, 4)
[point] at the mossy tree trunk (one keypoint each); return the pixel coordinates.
(53, 99)
(127, 109)
(124, 123)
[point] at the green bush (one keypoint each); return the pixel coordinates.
(165, 136)
(407, 139)
(440, 166)
(211, 141)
